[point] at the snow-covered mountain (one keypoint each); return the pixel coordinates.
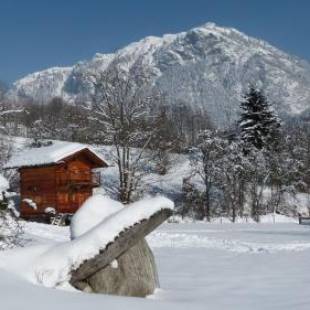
(207, 68)
(43, 85)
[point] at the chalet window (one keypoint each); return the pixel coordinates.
(33, 188)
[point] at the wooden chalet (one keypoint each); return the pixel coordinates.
(55, 179)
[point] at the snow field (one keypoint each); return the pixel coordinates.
(201, 266)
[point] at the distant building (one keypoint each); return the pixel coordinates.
(56, 178)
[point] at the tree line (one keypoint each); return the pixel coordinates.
(259, 155)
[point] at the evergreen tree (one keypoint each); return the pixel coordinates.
(258, 124)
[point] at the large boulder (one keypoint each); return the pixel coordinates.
(133, 274)
(124, 264)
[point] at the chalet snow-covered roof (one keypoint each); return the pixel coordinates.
(51, 154)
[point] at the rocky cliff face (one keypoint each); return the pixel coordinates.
(207, 68)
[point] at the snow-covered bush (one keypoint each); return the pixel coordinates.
(10, 229)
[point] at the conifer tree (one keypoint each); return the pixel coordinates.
(258, 124)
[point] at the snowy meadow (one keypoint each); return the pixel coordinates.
(201, 266)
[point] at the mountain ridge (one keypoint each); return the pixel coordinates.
(207, 68)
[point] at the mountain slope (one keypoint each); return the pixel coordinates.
(43, 85)
(207, 68)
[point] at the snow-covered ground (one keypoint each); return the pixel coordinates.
(201, 266)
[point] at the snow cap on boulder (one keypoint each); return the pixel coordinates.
(94, 210)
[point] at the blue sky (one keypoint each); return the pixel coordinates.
(37, 34)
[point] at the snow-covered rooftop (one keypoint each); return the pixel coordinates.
(47, 155)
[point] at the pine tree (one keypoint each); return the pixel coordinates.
(258, 124)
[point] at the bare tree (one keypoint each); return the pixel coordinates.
(205, 164)
(121, 114)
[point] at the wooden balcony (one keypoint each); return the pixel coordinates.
(81, 178)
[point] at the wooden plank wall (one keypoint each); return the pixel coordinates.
(77, 169)
(39, 185)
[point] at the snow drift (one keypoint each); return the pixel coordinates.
(52, 265)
